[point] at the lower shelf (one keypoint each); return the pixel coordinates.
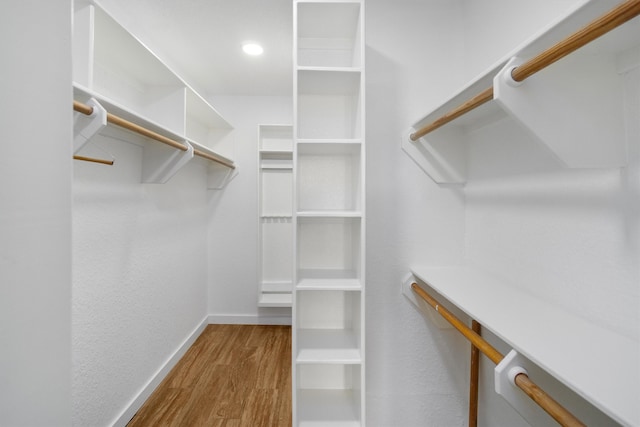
(551, 337)
(328, 346)
(328, 408)
(328, 279)
(275, 300)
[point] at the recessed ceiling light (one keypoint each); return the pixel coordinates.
(252, 48)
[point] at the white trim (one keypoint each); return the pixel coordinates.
(155, 380)
(248, 319)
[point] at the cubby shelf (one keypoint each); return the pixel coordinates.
(114, 68)
(328, 408)
(329, 34)
(344, 280)
(571, 110)
(550, 337)
(328, 346)
(329, 214)
(275, 299)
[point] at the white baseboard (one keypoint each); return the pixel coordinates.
(157, 378)
(246, 319)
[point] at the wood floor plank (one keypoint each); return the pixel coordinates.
(232, 376)
(265, 409)
(165, 409)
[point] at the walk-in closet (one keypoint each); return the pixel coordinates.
(320, 213)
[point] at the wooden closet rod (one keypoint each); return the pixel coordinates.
(607, 22)
(546, 402)
(94, 160)
(126, 124)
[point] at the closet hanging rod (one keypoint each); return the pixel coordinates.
(93, 160)
(546, 402)
(614, 18)
(126, 124)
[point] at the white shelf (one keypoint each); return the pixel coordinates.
(276, 154)
(328, 346)
(276, 138)
(329, 244)
(598, 364)
(570, 111)
(302, 141)
(329, 177)
(329, 105)
(328, 309)
(277, 286)
(330, 214)
(83, 94)
(327, 408)
(268, 299)
(329, 34)
(129, 81)
(346, 280)
(336, 69)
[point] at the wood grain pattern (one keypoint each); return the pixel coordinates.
(232, 376)
(545, 401)
(607, 22)
(474, 379)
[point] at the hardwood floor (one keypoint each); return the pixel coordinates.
(232, 376)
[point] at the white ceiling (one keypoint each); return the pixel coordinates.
(202, 41)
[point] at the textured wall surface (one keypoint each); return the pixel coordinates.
(139, 277)
(233, 214)
(570, 237)
(416, 373)
(35, 214)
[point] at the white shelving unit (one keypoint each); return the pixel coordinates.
(113, 67)
(572, 112)
(276, 215)
(606, 375)
(329, 218)
(572, 109)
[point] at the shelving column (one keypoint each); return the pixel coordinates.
(276, 208)
(329, 214)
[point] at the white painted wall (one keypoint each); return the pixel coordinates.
(570, 237)
(233, 214)
(35, 213)
(416, 374)
(494, 28)
(139, 277)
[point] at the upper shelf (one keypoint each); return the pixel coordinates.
(329, 34)
(606, 375)
(573, 109)
(130, 81)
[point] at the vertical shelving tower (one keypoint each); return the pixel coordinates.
(276, 209)
(329, 214)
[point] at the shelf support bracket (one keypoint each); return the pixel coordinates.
(505, 374)
(422, 305)
(87, 126)
(579, 123)
(219, 176)
(160, 163)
